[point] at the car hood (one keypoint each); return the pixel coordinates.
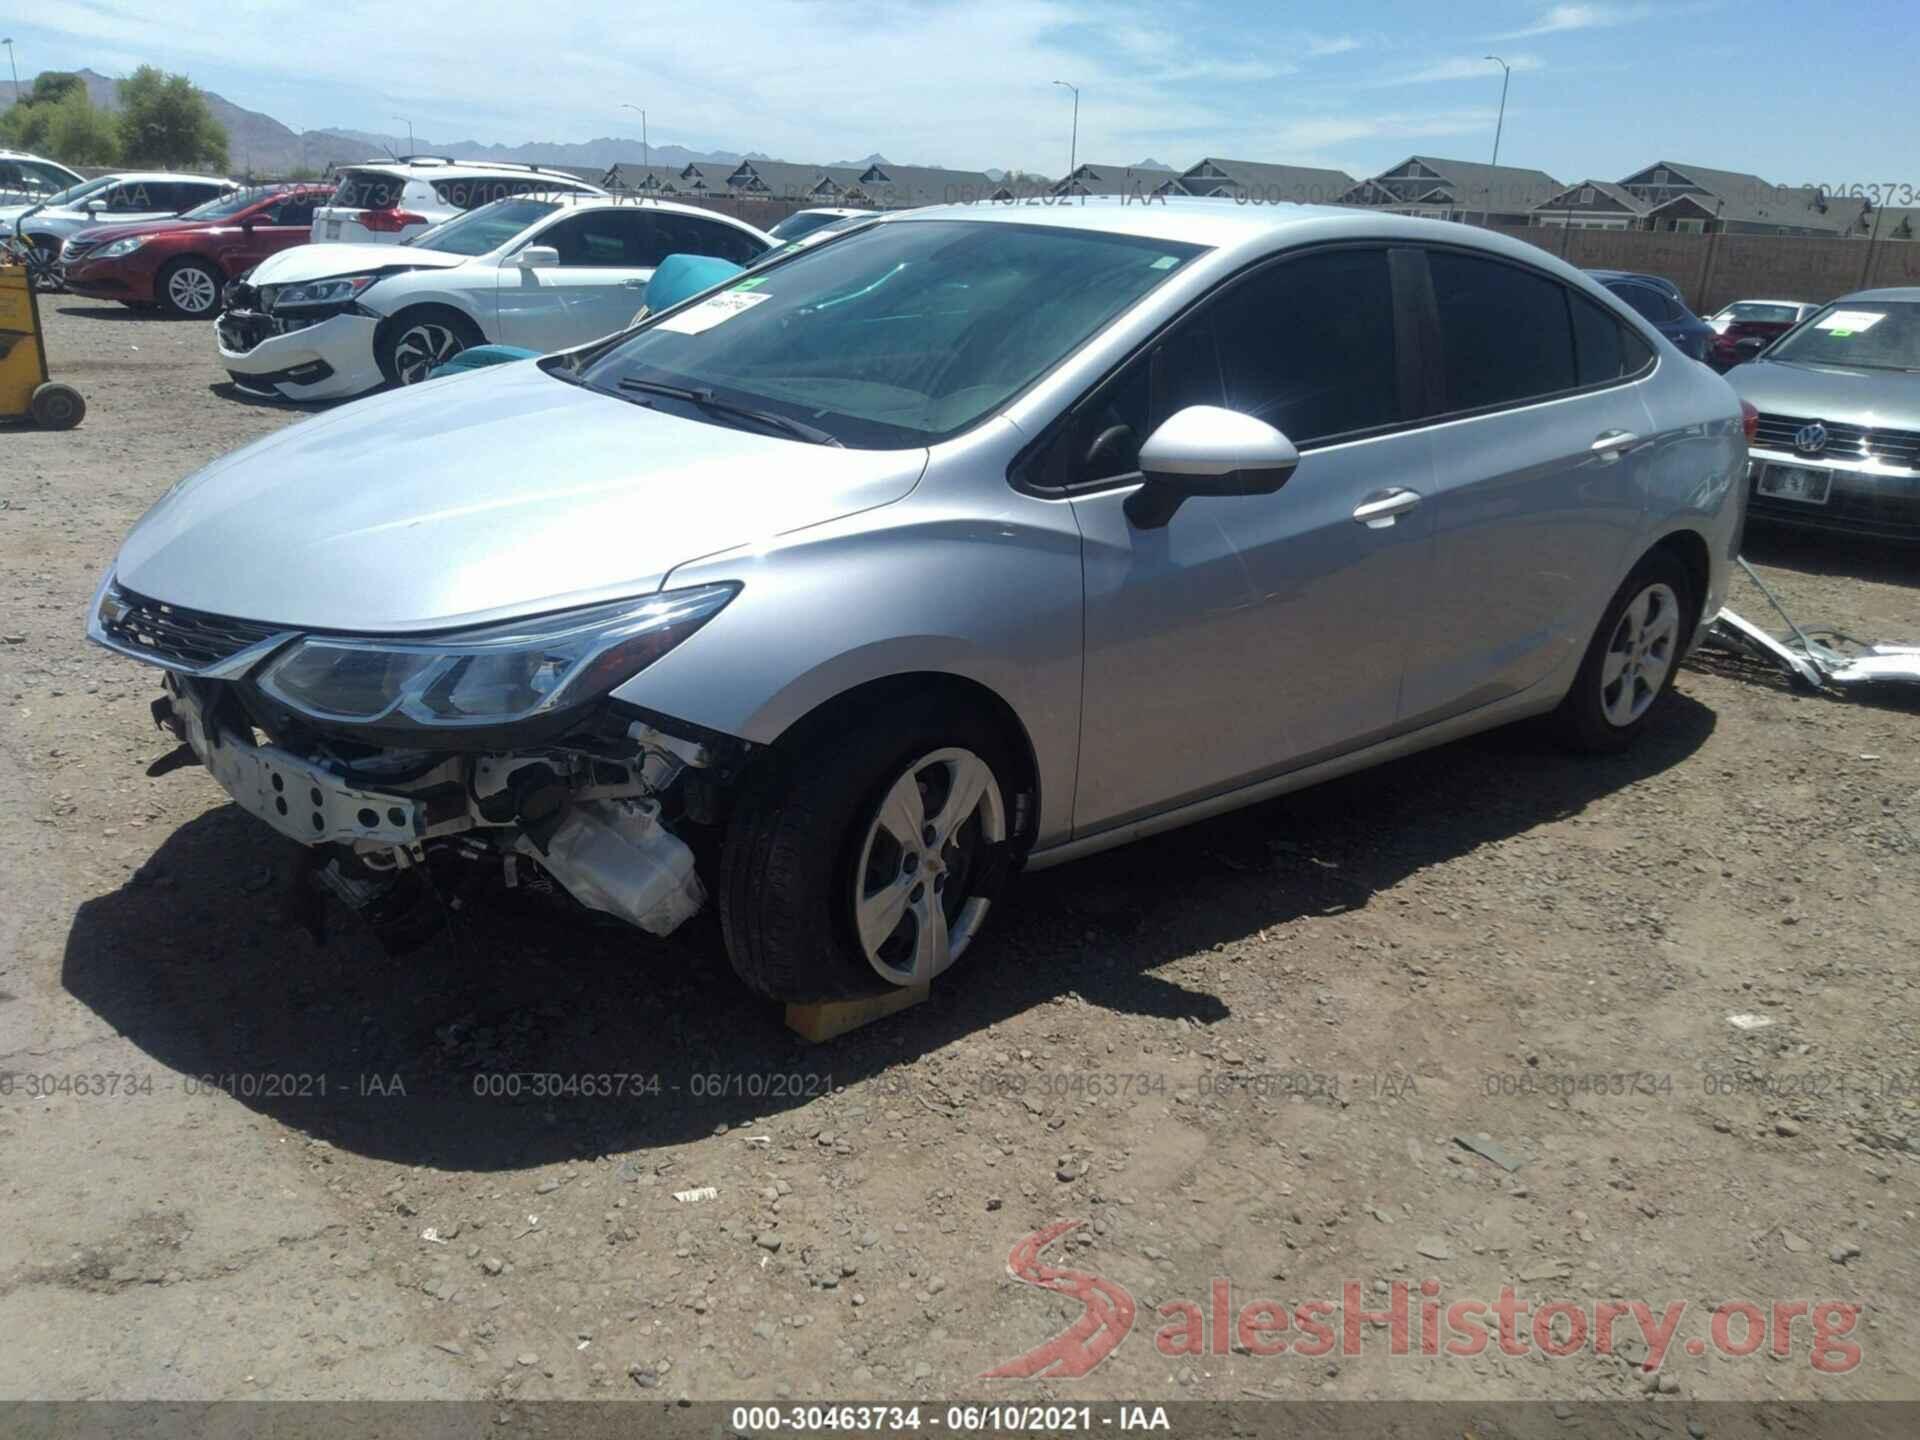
(323, 259)
(495, 494)
(1830, 392)
(101, 234)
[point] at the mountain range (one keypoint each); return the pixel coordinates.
(260, 145)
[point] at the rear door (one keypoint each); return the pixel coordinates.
(1540, 459)
(1252, 634)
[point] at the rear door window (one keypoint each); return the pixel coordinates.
(1505, 333)
(1657, 307)
(368, 190)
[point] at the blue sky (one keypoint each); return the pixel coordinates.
(1796, 93)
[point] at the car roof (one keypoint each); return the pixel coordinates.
(1909, 293)
(1227, 224)
(627, 202)
(167, 175)
(1731, 303)
(437, 165)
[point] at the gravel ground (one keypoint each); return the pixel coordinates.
(308, 1175)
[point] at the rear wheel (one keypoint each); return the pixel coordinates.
(188, 288)
(870, 862)
(1631, 662)
(416, 342)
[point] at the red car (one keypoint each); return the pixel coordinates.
(181, 265)
(1757, 323)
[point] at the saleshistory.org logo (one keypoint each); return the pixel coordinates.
(1416, 1321)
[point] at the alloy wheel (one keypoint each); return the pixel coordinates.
(1640, 655)
(913, 907)
(192, 290)
(421, 348)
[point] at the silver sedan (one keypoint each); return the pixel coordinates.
(985, 537)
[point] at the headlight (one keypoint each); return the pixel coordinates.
(315, 292)
(115, 249)
(491, 676)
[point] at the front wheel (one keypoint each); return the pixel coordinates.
(1631, 662)
(869, 862)
(418, 342)
(189, 289)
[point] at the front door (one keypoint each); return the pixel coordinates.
(1252, 635)
(606, 259)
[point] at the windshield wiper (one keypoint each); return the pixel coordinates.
(713, 404)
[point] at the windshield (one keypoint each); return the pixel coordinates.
(800, 223)
(1870, 334)
(78, 192)
(222, 206)
(488, 228)
(903, 334)
(1762, 314)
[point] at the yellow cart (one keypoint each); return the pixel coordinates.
(25, 391)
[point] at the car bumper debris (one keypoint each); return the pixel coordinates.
(1820, 657)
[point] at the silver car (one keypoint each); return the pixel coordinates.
(1838, 441)
(983, 537)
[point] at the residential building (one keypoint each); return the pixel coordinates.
(1122, 180)
(1696, 198)
(1257, 182)
(1456, 190)
(1593, 205)
(901, 187)
(779, 180)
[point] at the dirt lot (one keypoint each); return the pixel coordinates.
(301, 1184)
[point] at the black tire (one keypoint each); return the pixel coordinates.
(1583, 721)
(56, 406)
(796, 839)
(45, 275)
(198, 282)
(398, 346)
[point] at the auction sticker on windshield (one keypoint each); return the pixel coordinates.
(709, 313)
(1849, 322)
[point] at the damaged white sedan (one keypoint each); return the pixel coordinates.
(983, 537)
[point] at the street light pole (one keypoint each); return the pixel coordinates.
(409, 124)
(1073, 145)
(13, 65)
(646, 157)
(1506, 74)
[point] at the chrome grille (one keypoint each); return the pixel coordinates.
(176, 637)
(77, 249)
(1844, 442)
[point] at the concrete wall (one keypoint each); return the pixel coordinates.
(1712, 270)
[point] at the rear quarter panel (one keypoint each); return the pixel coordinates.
(1697, 471)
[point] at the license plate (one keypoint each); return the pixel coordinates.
(333, 229)
(1795, 482)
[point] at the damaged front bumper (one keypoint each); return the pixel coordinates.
(596, 809)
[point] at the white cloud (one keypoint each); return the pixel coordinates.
(1459, 67)
(1580, 17)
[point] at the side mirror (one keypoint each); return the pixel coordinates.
(1746, 348)
(1205, 450)
(93, 207)
(537, 257)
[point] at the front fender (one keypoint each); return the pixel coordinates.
(919, 586)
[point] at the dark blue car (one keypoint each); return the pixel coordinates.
(1658, 299)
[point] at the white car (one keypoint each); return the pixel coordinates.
(323, 322)
(804, 222)
(25, 179)
(123, 198)
(384, 202)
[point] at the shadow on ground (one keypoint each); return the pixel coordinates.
(192, 961)
(1813, 552)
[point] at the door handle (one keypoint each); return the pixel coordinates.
(1383, 509)
(1610, 443)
